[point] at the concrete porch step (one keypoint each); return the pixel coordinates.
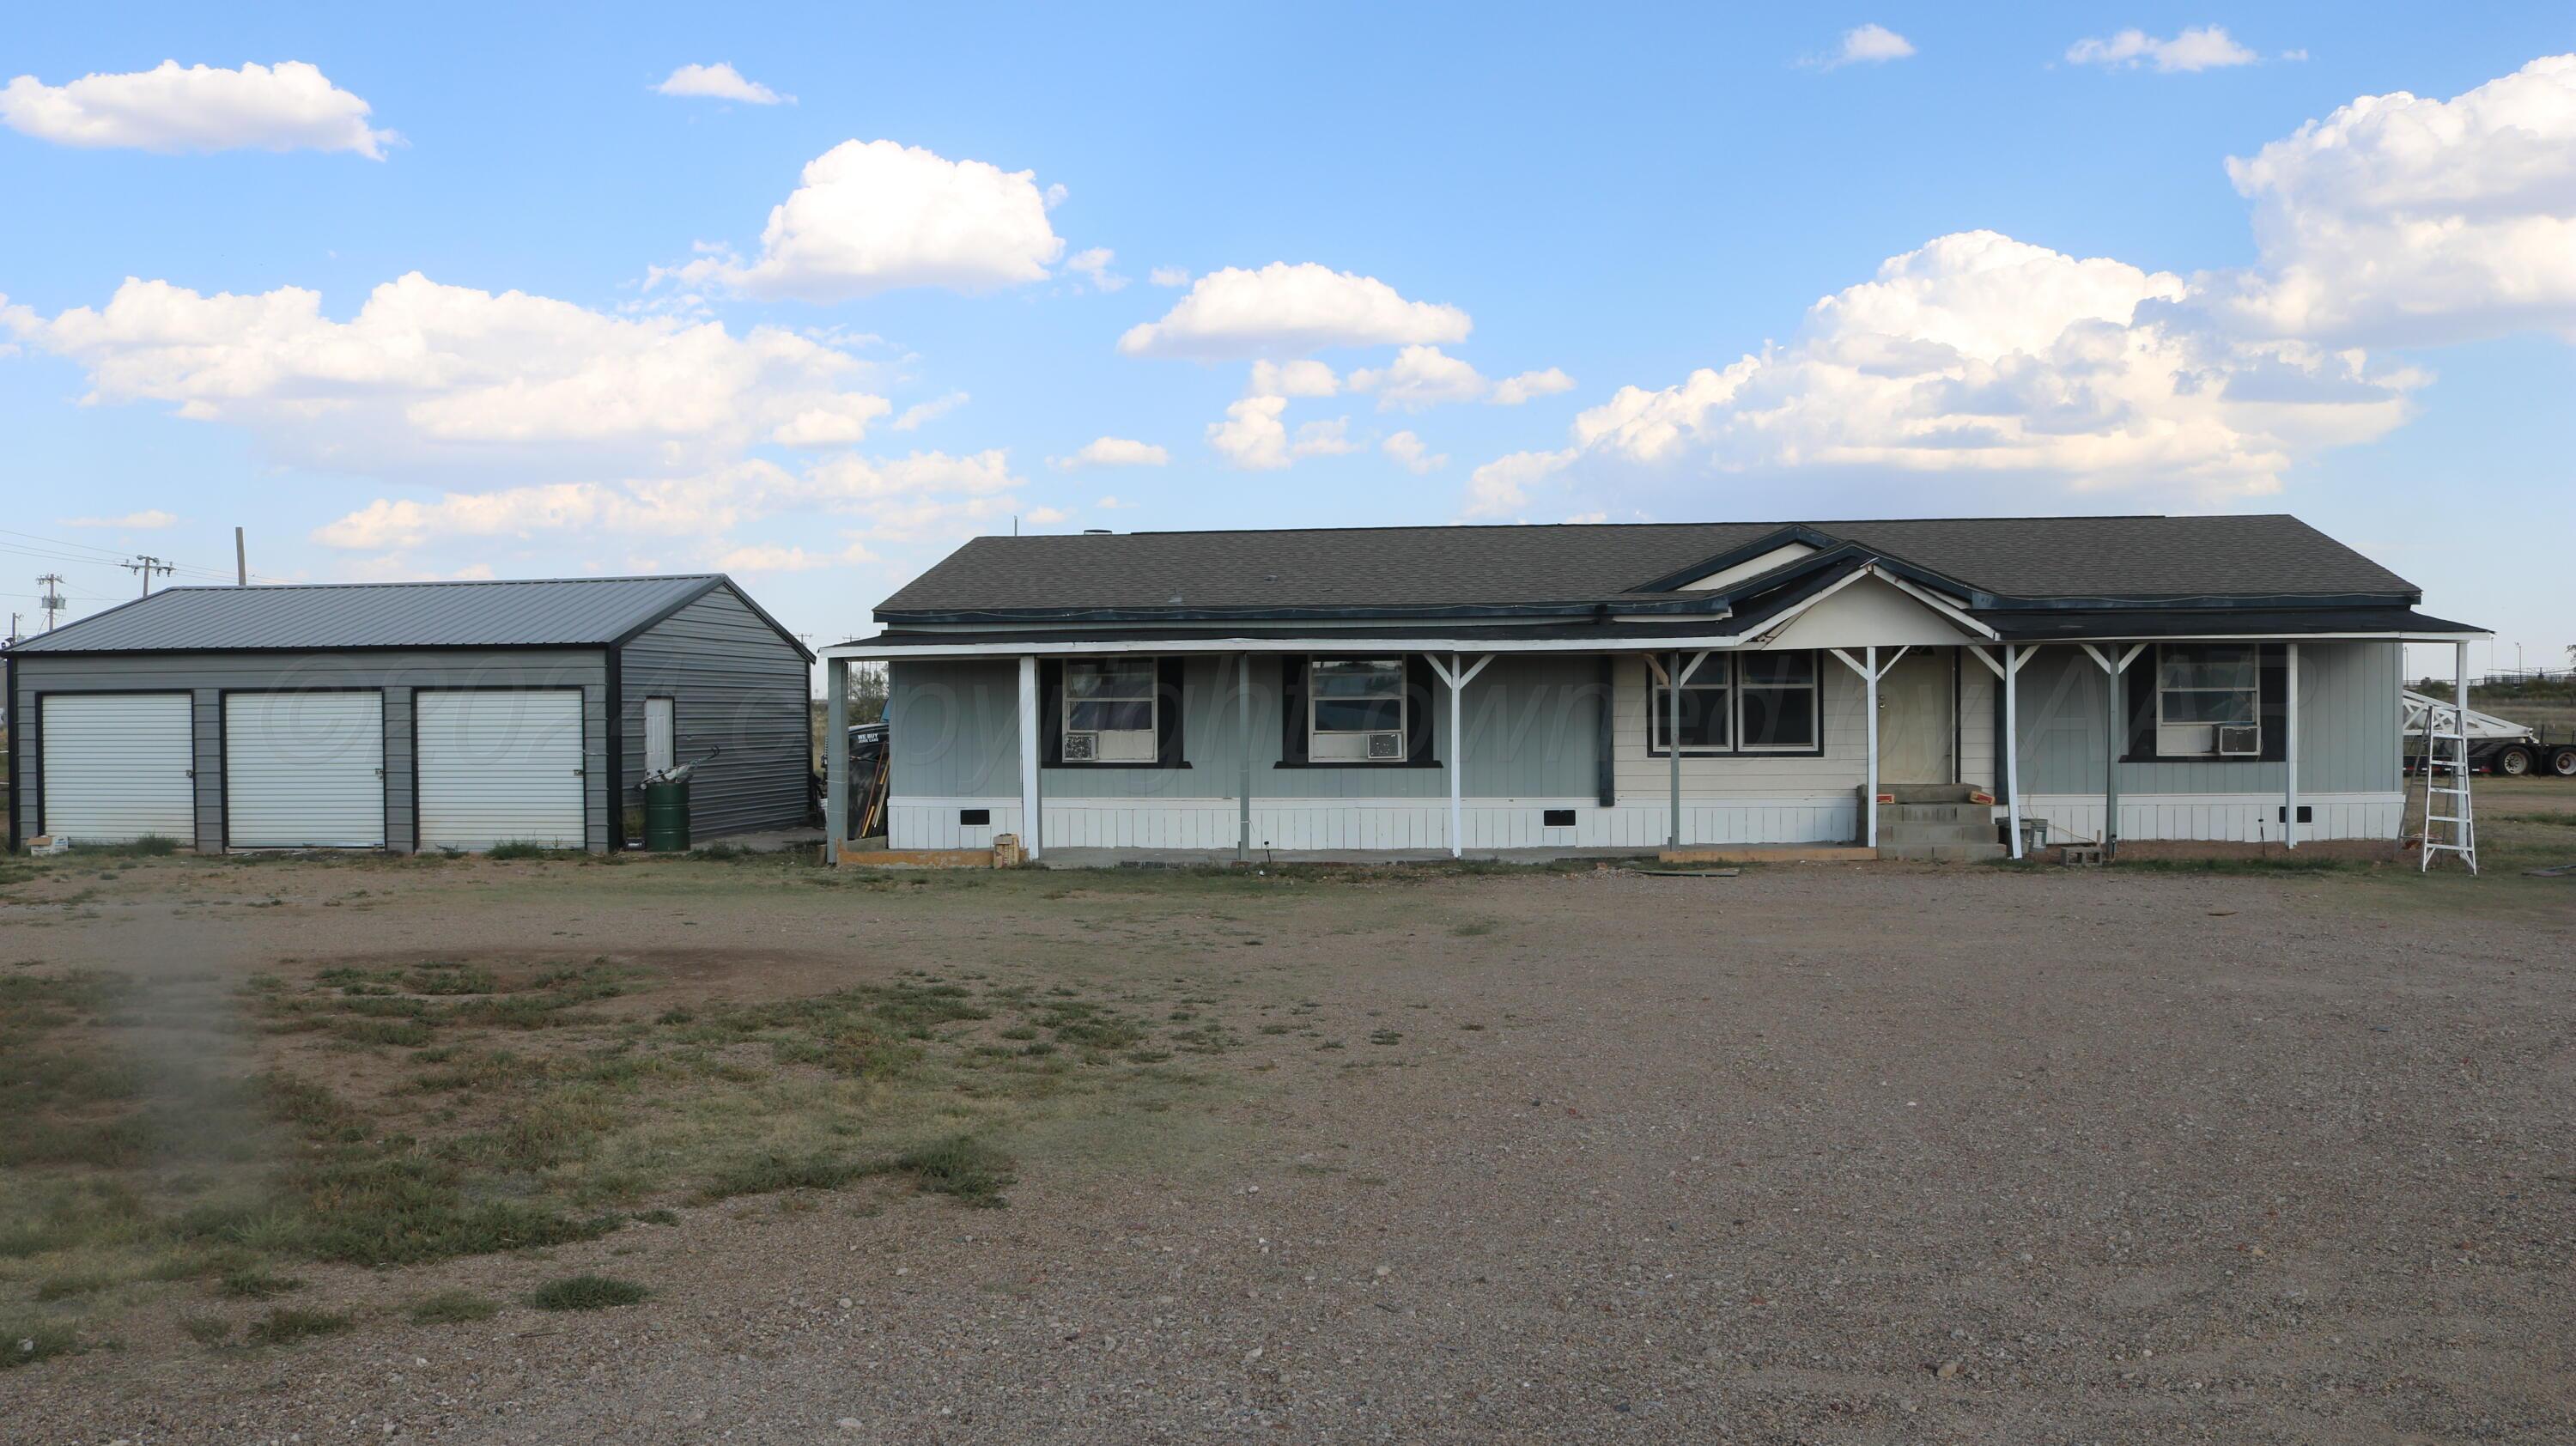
(1935, 833)
(1947, 853)
(1894, 814)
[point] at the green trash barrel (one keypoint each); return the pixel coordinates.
(666, 817)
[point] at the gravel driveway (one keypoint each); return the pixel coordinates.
(1815, 1154)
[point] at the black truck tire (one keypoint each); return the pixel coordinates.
(2562, 761)
(2511, 761)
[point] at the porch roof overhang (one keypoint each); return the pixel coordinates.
(2347, 624)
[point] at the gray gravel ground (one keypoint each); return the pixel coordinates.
(1822, 1154)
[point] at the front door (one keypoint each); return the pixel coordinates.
(1916, 723)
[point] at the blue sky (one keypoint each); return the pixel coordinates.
(2049, 292)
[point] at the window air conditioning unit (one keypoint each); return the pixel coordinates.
(1384, 746)
(1081, 747)
(2239, 740)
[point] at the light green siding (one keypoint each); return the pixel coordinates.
(1531, 730)
(2347, 729)
(955, 729)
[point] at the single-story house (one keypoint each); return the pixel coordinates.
(1479, 689)
(409, 716)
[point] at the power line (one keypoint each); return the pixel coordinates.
(51, 599)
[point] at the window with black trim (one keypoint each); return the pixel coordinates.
(1708, 708)
(1776, 701)
(2209, 700)
(1736, 703)
(1109, 710)
(1355, 710)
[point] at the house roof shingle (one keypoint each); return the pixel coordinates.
(1466, 567)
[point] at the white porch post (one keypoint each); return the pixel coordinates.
(1457, 762)
(1673, 743)
(2012, 744)
(1243, 710)
(1457, 675)
(836, 757)
(1869, 704)
(2290, 755)
(1029, 755)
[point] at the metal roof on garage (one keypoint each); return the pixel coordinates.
(556, 612)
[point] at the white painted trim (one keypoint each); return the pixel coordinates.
(1751, 567)
(865, 650)
(1029, 809)
(2290, 753)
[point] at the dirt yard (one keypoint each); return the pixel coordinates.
(693, 1150)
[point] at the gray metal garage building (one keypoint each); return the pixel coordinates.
(408, 715)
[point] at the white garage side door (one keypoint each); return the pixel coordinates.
(500, 767)
(304, 770)
(119, 767)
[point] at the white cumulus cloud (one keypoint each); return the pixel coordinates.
(1290, 310)
(1414, 453)
(2204, 47)
(1115, 452)
(1425, 376)
(1978, 353)
(920, 412)
(719, 81)
(872, 216)
(1254, 436)
(149, 520)
(1292, 379)
(426, 373)
(1094, 264)
(289, 106)
(886, 499)
(1870, 43)
(2406, 218)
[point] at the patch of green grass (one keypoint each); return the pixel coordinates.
(25, 1342)
(405, 1033)
(287, 1324)
(251, 1282)
(960, 1166)
(451, 1307)
(658, 1216)
(586, 1292)
(1386, 1036)
(150, 846)
(1472, 928)
(770, 1173)
(2258, 864)
(515, 848)
(453, 979)
(207, 1330)
(2554, 820)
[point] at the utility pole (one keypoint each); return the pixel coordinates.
(241, 561)
(51, 598)
(147, 564)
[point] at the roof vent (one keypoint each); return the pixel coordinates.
(1095, 532)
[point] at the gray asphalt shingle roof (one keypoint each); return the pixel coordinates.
(2017, 557)
(561, 612)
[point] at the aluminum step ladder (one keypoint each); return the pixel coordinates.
(2450, 825)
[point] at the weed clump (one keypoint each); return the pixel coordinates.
(586, 1292)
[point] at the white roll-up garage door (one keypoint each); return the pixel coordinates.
(500, 767)
(118, 767)
(304, 770)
